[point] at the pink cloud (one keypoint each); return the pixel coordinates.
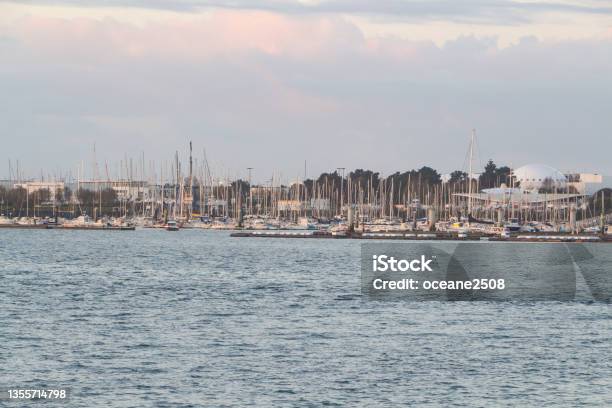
(225, 33)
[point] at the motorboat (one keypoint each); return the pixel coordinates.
(172, 225)
(513, 225)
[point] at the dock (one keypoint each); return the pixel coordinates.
(428, 236)
(63, 227)
(25, 226)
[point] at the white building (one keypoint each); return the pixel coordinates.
(589, 183)
(538, 183)
(533, 177)
(34, 186)
(126, 190)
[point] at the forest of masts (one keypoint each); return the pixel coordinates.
(171, 191)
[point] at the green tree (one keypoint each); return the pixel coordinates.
(458, 176)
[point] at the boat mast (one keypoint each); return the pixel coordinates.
(603, 214)
(471, 172)
(190, 192)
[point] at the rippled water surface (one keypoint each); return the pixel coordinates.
(196, 318)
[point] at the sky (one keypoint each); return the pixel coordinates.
(388, 85)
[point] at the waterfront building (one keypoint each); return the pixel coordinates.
(537, 183)
(34, 186)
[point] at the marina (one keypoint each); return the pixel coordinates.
(533, 202)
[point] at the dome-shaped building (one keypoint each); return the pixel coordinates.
(533, 177)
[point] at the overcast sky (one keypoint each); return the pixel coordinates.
(386, 84)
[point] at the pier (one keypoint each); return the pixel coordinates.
(433, 236)
(66, 227)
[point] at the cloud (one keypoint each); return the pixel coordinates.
(268, 90)
(223, 33)
(489, 11)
